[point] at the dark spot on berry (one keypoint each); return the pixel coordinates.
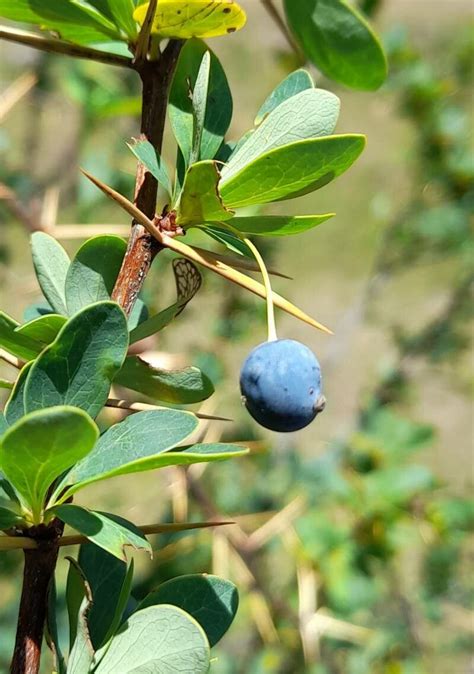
(311, 391)
(231, 30)
(227, 10)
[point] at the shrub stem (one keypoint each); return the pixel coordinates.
(142, 247)
(38, 574)
(40, 563)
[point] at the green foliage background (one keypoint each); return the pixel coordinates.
(386, 472)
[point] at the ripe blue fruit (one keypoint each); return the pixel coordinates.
(281, 385)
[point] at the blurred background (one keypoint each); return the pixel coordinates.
(353, 547)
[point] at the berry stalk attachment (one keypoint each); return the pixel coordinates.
(280, 380)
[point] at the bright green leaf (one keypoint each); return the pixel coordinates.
(218, 110)
(183, 387)
(199, 101)
(68, 18)
(80, 603)
(144, 644)
(200, 200)
(339, 40)
(128, 447)
(14, 342)
(292, 170)
(109, 532)
(120, 12)
(292, 85)
(15, 407)
(210, 600)
(93, 271)
(44, 329)
(310, 114)
(105, 576)
(51, 264)
(9, 518)
(148, 156)
(228, 239)
(41, 446)
(79, 366)
(275, 225)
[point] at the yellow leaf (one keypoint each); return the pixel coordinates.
(185, 19)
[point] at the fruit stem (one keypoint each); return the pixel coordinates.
(272, 333)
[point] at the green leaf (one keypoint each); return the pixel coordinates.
(339, 41)
(109, 532)
(200, 200)
(128, 447)
(154, 324)
(15, 407)
(5, 384)
(80, 604)
(38, 448)
(79, 366)
(183, 387)
(67, 17)
(228, 239)
(188, 282)
(121, 604)
(292, 170)
(210, 600)
(120, 12)
(51, 264)
(148, 156)
(310, 114)
(138, 315)
(36, 310)
(106, 577)
(218, 110)
(15, 343)
(144, 644)
(294, 84)
(5, 486)
(274, 225)
(93, 272)
(199, 101)
(75, 593)
(44, 329)
(52, 633)
(9, 518)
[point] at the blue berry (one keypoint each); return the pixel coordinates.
(281, 385)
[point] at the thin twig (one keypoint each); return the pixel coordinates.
(76, 231)
(15, 92)
(143, 42)
(204, 258)
(142, 248)
(18, 210)
(55, 46)
(275, 15)
(145, 407)
(25, 543)
(11, 360)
